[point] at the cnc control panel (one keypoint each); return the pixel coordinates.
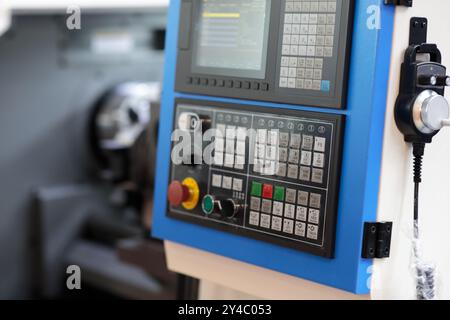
(271, 133)
(269, 175)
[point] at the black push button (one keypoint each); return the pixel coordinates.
(246, 85)
(255, 85)
(238, 84)
(265, 86)
(220, 83)
(229, 83)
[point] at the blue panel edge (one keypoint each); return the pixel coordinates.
(361, 165)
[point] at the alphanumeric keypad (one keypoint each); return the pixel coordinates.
(309, 29)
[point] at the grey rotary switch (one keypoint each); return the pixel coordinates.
(431, 112)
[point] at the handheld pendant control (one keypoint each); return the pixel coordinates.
(421, 109)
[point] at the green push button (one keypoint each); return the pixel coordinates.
(257, 189)
(208, 204)
(279, 194)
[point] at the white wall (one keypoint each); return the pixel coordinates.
(393, 277)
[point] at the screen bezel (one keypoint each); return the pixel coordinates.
(266, 89)
(230, 72)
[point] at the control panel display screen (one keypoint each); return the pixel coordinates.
(231, 38)
(270, 176)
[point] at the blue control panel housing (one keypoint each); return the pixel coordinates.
(364, 114)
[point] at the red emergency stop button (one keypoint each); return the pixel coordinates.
(178, 193)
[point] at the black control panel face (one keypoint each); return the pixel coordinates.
(266, 175)
(285, 51)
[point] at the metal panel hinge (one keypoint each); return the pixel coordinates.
(406, 3)
(377, 240)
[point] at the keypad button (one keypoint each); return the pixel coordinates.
(331, 19)
(319, 144)
(258, 166)
(267, 191)
(230, 146)
(292, 171)
(260, 151)
(278, 208)
(255, 204)
(302, 213)
(266, 206)
(289, 211)
(230, 133)
(300, 229)
(294, 156)
(273, 137)
(288, 226)
(218, 159)
(289, 6)
(291, 83)
(262, 136)
(221, 128)
(313, 232)
(241, 134)
(328, 52)
(217, 180)
(321, 18)
(265, 221)
(254, 218)
(303, 197)
(305, 174)
(239, 163)
(237, 184)
(295, 141)
(306, 158)
(227, 183)
(284, 139)
(314, 216)
(291, 195)
(323, 7)
(331, 6)
(317, 175)
(256, 189)
(318, 160)
(271, 153)
(219, 145)
(229, 160)
(288, 18)
(270, 168)
(240, 148)
(277, 223)
(307, 142)
(282, 168)
(278, 193)
(315, 200)
(282, 154)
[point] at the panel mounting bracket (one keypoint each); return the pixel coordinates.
(418, 31)
(377, 240)
(405, 3)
